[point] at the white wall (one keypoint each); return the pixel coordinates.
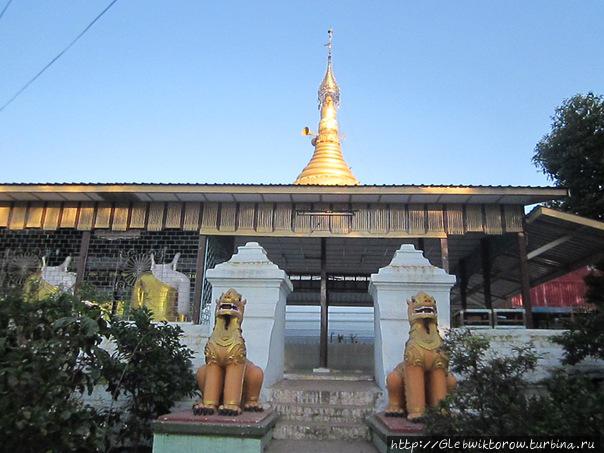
(503, 340)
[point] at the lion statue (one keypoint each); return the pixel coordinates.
(422, 376)
(228, 378)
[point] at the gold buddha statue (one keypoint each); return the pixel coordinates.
(159, 297)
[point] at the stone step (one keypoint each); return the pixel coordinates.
(325, 392)
(320, 446)
(315, 412)
(294, 430)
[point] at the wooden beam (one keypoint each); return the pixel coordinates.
(324, 308)
(331, 304)
(525, 285)
(548, 263)
(550, 245)
(485, 256)
(200, 273)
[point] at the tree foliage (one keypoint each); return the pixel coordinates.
(572, 154)
(150, 368)
(49, 356)
(585, 337)
(493, 397)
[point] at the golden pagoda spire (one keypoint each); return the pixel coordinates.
(327, 166)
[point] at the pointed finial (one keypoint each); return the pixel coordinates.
(329, 86)
(329, 44)
(327, 166)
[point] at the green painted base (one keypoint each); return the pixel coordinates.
(184, 443)
(183, 432)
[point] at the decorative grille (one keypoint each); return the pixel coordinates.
(218, 250)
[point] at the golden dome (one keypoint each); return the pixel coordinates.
(327, 166)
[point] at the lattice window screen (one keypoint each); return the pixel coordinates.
(218, 250)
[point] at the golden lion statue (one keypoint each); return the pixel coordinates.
(422, 376)
(228, 378)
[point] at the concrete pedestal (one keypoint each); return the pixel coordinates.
(265, 287)
(183, 432)
(407, 274)
(383, 428)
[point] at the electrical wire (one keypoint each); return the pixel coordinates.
(59, 55)
(5, 8)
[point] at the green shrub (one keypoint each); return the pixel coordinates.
(150, 368)
(49, 355)
(490, 398)
(585, 337)
(493, 397)
(573, 405)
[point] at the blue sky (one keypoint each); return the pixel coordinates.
(193, 91)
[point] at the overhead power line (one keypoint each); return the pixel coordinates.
(5, 8)
(59, 55)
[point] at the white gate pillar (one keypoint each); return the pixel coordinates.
(265, 288)
(407, 274)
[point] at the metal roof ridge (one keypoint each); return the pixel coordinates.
(471, 186)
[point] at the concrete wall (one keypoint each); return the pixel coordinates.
(503, 340)
(359, 356)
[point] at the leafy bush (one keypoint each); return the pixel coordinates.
(490, 398)
(585, 337)
(49, 354)
(150, 368)
(573, 405)
(493, 398)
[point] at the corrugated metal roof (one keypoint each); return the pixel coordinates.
(558, 243)
(260, 184)
(222, 192)
(228, 184)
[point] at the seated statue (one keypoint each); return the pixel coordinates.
(164, 290)
(423, 375)
(228, 381)
(159, 297)
(49, 281)
(168, 274)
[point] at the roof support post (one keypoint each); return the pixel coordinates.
(444, 253)
(463, 284)
(200, 273)
(525, 285)
(421, 245)
(485, 257)
(82, 259)
(324, 307)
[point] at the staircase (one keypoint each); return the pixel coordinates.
(324, 407)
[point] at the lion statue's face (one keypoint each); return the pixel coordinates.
(421, 306)
(230, 304)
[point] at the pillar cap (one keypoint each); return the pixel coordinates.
(251, 262)
(409, 266)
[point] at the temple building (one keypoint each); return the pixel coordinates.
(326, 230)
